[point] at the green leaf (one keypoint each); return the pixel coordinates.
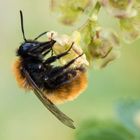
(99, 130)
(129, 114)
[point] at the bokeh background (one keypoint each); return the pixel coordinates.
(22, 116)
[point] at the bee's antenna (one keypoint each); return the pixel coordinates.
(22, 27)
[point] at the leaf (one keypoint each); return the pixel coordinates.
(129, 114)
(103, 130)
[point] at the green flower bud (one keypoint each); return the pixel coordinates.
(119, 8)
(72, 9)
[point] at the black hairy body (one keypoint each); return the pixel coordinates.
(47, 76)
(52, 80)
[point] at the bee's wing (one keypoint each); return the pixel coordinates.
(48, 104)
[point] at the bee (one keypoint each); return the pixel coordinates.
(51, 84)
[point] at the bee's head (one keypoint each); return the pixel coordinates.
(29, 48)
(26, 47)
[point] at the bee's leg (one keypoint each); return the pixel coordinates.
(71, 62)
(42, 47)
(54, 58)
(46, 52)
(67, 65)
(52, 52)
(56, 71)
(40, 35)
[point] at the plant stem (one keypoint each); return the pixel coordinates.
(94, 12)
(93, 15)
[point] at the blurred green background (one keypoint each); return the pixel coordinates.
(22, 116)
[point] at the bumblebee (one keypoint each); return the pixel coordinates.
(51, 84)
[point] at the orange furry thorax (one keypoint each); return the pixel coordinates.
(64, 93)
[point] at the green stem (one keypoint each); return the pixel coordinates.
(93, 16)
(94, 12)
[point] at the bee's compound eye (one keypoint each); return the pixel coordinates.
(26, 46)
